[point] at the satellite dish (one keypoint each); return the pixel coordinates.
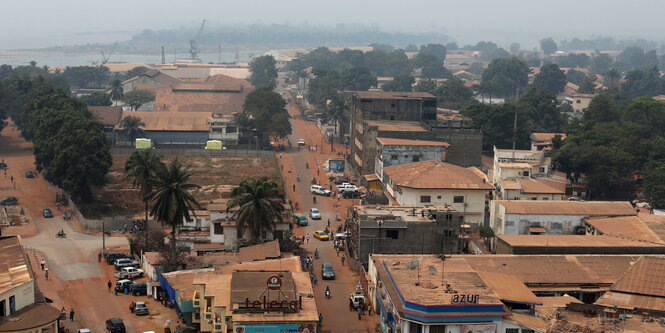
(412, 264)
(432, 269)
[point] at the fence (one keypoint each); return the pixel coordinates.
(118, 150)
(96, 225)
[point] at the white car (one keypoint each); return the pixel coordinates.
(343, 235)
(128, 272)
(301, 142)
(315, 214)
(320, 190)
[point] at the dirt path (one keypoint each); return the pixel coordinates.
(76, 279)
(335, 311)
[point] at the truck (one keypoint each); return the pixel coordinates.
(344, 187)
(128, 273)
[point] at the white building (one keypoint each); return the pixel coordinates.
(530, 189)
(436, 183)
(524, 217)
(510, 164)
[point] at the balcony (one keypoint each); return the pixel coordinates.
(196, 299)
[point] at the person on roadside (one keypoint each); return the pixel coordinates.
(109, 285)
(360, 312)
(46, 273)
(99, 256)
(307, 237)
(71, 314)
(369, 309)
(343, 259)
(43, 263)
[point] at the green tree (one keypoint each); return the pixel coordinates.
(357, 79)
(588, 85)
(172, 200)
(324, 86)
(87, 76)
(486, 232)
(654, 183)
(430, 66)
(613, 77)
(574, 60)
(336, 112)
(453, 94)
(97, 98)
(116, 92)
(400, 83)
(244, 122)
(131, 126)
(505, 75)
(263, 72)
(551, 78)
(259, 208)
(600, 63)
(514, 47)
(476, 68)
(264, 105)
(136, 98)
(436, 50)
(575, 77)
(426, 85)
(548, 45)
(643, 82)
(141, 167)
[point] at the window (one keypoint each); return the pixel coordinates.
(458, 199)
(524, 330)
(578, 101)
(449, 233)
(541, 170)
(219, 230)
(415, 327)
(392, 117)
(392, 234)
(3, 312)
(425, 198)
(512, 330)
(534, 198)
(525, 173)
(416, 158)
(231, 129)
(394, 156)
(546, 198)
(437, 329)
(449, 217)
(12, 304)
(438, 197)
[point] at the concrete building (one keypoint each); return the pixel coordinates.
(574, 244)
(149, 80)
(224, 298)
(109, 116)
(23, 308)
(438, 183)
(391, 152)
(581, 102)
(511, 164)
(223, 128)
(522, 217)
(540, 141)
(390, 230)
(530, 189)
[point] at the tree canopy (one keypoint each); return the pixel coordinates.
(263, 72)
(259, 206)
(548, 45)
(136, 98)
(270, 117)
(399, 83)
(504, 76)
(97, 98)
(551, 78)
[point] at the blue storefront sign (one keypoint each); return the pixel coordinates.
(276, 328)
(336, 165)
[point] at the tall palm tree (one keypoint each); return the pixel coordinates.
(613, 76)
(336, 112)
(116, 91)
(244, 122)
(141, 168)
(172, 200)
(131, 126)
(257, 210)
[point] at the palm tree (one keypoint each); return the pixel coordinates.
(336, 112)
(131, 127)
(172, 200)
(257, 210)
(141, 168)
(244, 122)
(116, 91)
(613, 76)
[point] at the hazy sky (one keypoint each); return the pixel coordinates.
(39, 23)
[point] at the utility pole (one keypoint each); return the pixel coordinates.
(163, 55)
(103, 238)
(517, 101)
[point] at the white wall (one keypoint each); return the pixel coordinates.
(475, 200)
(24, 295)
(516, 224)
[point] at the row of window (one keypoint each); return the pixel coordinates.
(414, 158)
(428, 198)
(417, 328)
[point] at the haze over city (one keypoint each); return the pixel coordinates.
(71, 22)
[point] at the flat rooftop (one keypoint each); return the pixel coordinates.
(409, 142)
(393, 95)
(572, 241)
(584, 208)
(405, 213)
(396, 126)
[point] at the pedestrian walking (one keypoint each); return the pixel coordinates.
(12, 178)
(338, 196)
(343, 259)
(46, 273)
(116, 291)
(360, 312)
(71, 314)
(43, 263)
(350, 305)
(303, 238)
(320, 318)
(177, 324)
(99, 256)
(308, 237)
(294, 187)
(280, 155)
(337, 249)
(14, 185)
(369, 310)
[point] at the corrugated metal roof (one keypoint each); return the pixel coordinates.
(645, 277)
(435, 175)
(625, 226)
(393, 95)
(14, 270)
(509, 288)
(410, 142)
(587, 208)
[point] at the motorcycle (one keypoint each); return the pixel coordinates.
(298, 178)
(61, 235)
(327, 292)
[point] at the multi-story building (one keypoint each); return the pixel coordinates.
(391, 152)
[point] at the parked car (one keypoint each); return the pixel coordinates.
(8, 201)
(347, 187)
(83, 330)
(3, 165)
(111, 257)
(301, 142)
(125, 262)
(327, 271)
(343, 235)
(321, 235)
(128, 273)
(47, 213)
(300, 219)
(140, 289)
(315, 214)
(115, 325)
(29, 174)
(120, 285)
(320, 190)
(141, 309)
(357, 298)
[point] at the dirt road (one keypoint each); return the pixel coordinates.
(76, 279)
(335, 311)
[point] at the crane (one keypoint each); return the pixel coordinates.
(105, 58)
(193, 47)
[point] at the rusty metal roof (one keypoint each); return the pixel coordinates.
(586, 208)
(509, 288)
(645, 277)
(625, 226)
(14, 270)
(435, 175)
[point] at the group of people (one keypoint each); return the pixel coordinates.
(63, 314)
(362, 306)
(137, 225)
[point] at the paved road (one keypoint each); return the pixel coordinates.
(335, 311)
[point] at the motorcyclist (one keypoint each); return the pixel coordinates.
(314, 199)
(327, 292)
